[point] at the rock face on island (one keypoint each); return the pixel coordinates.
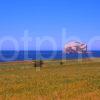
(75, 47)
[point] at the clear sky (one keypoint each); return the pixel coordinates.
(80, 18)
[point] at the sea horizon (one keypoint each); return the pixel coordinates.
(21, 55)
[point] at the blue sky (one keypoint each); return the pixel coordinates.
(80, 18)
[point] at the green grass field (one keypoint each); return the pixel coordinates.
(70, 81)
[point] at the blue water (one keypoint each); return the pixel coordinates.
(6, 56)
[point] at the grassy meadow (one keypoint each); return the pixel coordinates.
(71, 81)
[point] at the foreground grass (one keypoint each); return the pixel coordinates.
(70, 81)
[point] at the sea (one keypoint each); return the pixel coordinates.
(11, 55)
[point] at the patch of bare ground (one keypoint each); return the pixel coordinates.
(26, 97)
(89, 96)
